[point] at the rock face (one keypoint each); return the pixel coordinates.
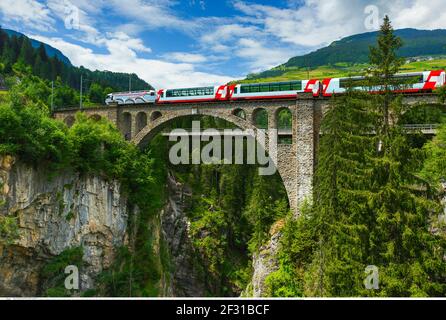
(54, 215)
(185, 280)
(264, 263)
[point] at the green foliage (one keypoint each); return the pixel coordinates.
(369, 205)
(49, 64)
(90, 147)
(423, 114)
(353, 51)
(231, 213)
(263, 210)
(209, 231)
(441, 92)
(96, 93)
(9, 230)
(434, 169)
(27, 132)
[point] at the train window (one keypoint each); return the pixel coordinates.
(296, 86)
(285, 87)
(409, 79)
(264, 88)
(275, 87)
(235, 90)
(255, 88)
(354, 83)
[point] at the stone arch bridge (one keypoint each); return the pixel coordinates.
(295, 160)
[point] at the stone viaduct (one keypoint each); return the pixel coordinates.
(295, 161)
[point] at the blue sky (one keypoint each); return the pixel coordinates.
(182, 43)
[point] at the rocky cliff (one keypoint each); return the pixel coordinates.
(186, 279)
(54, 214)
(65, 210)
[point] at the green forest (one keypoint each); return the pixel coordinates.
(376, 199)
(18, 51)
(351, 54)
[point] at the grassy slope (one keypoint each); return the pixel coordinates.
(344, 70)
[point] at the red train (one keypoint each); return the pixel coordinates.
(413, 82)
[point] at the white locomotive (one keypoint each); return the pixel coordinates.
(133, 97)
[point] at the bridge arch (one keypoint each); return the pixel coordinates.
(69, 121)
(260, 118)
(283, 122)
(141, 121)
(159, 121)
(283, 118)
(239, 112)
(126, 125)
(155, 115)
(95, 117)
(143, 138)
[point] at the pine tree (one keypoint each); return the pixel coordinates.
(369, 205)
(26, 52)
(41, 52)
(385, 63)
(401, 242)
(3, 40)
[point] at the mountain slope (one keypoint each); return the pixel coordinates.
(52, 64)
(355, 49)
(50, 51)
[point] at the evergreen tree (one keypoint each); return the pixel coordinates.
(41, 52)
(96, 93)
(26, 52)
(369, 205)
(3, 40)
(401, 242)
(385, 63)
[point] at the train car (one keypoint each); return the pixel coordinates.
(406, 82)
(189, 95)
(133, 97)
(274, 90)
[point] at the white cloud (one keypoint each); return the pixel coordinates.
(260, 57)
(420, 14)
(314, 23)
(229, 33)
(152, 14)
(185, 57)
(121, 39)
(160, 74)
(28, 12)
